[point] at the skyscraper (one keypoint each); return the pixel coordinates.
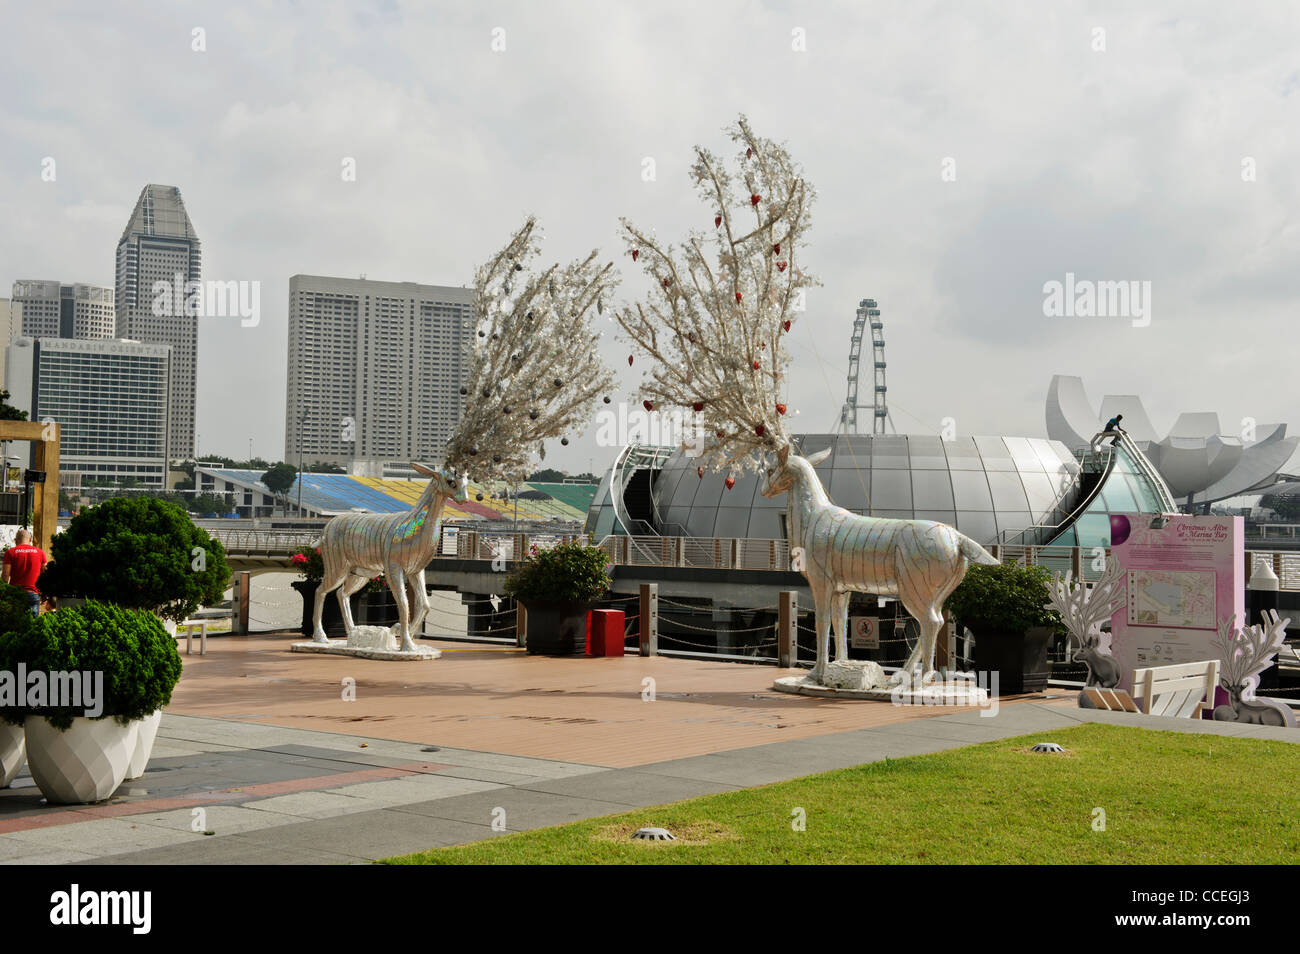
(109, 397)
(375, 370)
(58, 310)
(159, 245)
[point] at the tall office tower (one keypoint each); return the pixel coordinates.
(56, 310)
(375, 371)
(109, 397)
(11, 326)
(159, 246)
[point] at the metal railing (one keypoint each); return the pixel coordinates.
(721, 553)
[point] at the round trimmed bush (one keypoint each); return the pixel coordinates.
(130, 647)
(567, 571)
(15, 612)
(138, 552)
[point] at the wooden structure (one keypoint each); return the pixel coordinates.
(45, 501)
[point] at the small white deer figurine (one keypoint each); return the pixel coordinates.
(918, 561)
(357, 546)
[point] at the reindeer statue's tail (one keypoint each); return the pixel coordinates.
(975, 553)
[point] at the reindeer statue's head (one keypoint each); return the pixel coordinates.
(783, 476)
(445, 482)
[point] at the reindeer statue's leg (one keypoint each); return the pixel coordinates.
(397, 585)
(840, 621)
(419, 597)
(353, 583)
(822, 602)
(333, 577)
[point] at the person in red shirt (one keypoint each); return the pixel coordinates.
(23, 563)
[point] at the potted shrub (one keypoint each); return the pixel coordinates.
(15, 618)
(1006, 608)
(141, 553)
(311, 568)
(557, 586)
(74, 757)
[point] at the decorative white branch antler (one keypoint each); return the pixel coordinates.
(1245, 653)
(533, 366)
(714, 323)
(1083, 609)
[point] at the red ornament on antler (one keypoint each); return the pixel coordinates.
(757, 364)
(699, 472)
(777, 248)
(749, 152)
(648, 405)
(717, 221)
(698, 406)
(738, 297)
(636, 252)
(629, 361)
(667, 282)
(780, 266)
(755, 199)
(780, 409)
(730, 482)
(759, 429)
(786, 324)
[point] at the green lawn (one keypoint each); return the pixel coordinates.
(1169, 798)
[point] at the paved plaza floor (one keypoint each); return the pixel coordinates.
(260, 760)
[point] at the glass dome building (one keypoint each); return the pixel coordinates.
(996, 490)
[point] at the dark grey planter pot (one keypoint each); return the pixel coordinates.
(1019, 659)
(331, 618)
(556, 627)
(376, 609)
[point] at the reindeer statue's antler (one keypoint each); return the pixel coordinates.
(721, 304)
(533, 366)
(1245, 653)
(1083, 610)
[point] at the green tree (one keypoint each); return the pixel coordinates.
(7, 411)
(279, 479)
(138, 552)
(547, 475)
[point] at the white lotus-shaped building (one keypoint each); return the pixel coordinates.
(1198, 462)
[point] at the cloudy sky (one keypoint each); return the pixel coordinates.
(1157, 143)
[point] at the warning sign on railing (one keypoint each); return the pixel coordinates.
(864, 632)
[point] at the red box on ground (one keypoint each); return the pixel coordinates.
(605, 633)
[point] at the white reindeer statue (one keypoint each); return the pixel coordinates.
(534, 375)
(919, 561)
(355, 547)
(715, 327)
(1083, 610)
(1245, 653)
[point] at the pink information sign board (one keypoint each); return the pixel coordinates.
(1183, 578)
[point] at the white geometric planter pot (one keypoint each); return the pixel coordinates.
(85, 763)
(12, 752)
(146, 732)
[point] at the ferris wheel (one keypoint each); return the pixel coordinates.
(867, 319)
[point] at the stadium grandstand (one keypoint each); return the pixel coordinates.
(327, 495)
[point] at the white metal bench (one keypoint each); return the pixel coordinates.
(1180, 691)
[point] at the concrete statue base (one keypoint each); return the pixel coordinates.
(368, 642)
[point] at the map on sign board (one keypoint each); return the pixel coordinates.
(1182, 598)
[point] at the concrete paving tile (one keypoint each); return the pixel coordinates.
(222, 819)
(412, 788)
(101, 836)
(299, 805)
(51, 857)
(377, 834)
(524, 808)
(231, 849)
(630, 788)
